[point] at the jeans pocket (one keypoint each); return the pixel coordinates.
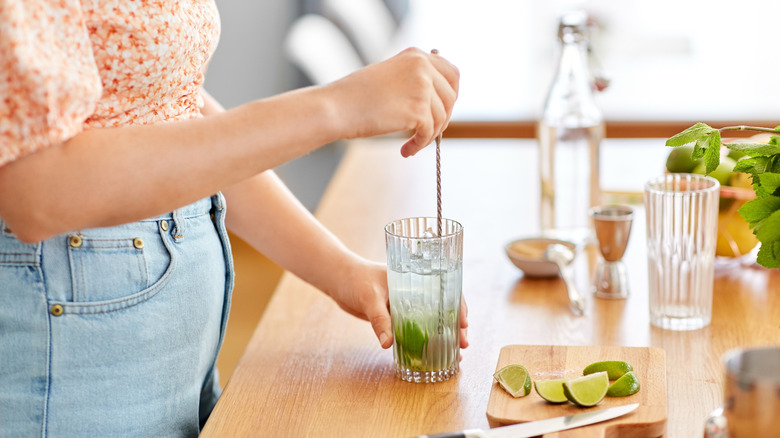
(119, 266)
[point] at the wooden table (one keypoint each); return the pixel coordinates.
(312, 370)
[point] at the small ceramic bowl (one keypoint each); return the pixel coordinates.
(528, 255)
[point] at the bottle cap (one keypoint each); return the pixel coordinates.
(573, 26)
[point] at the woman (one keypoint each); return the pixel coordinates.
(114, 261)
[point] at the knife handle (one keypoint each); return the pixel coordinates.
(445, 435)
(470, 433)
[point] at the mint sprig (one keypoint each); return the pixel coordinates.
(763, 165)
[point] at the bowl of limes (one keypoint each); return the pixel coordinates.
(735, 238)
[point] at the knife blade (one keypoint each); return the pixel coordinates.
(540, 427)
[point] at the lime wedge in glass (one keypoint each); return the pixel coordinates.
(614, 368)
(411, 340)
(514, 379)
(551, 390)
(626, 385)
(587, 390)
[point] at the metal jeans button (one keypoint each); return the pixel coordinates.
(75, 241)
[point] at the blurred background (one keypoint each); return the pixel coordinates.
(666, 60)
(687, 60)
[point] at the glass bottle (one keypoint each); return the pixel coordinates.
(569, 134)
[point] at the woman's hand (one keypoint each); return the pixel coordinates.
(364, 294)
(413, 90)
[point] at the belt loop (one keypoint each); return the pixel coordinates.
(218, 201)
(178, 225)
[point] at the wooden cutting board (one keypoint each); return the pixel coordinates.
(555, 361)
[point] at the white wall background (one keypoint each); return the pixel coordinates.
(249, 62)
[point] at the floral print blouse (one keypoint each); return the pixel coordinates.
(70, 65)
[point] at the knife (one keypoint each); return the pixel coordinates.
(536, 428)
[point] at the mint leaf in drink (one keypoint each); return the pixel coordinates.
(690, 135)
(759, 209)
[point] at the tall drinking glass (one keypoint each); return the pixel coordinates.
(682, 226)
(424, 276)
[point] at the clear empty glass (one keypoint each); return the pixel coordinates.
(682, 226)
(424, 276)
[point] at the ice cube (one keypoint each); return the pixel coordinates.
(429, 252)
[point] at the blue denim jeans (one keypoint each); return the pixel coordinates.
(115, 331)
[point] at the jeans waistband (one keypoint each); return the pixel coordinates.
(195, 209)
(203, 206)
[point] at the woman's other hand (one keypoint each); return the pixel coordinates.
(364, 294)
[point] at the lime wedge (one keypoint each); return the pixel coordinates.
(551, 390)
(614, 368)
(626, 385)
(587, 390)
(514, 379)
(411, 340)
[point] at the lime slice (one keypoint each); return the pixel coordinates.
(587, 390)
(626, 385)
(551, 390)
(514, 379)
(411, 340)
(614, 368)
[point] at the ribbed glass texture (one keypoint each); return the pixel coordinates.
(424, 275)
(682, 226)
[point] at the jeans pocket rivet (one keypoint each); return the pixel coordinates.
(57, 310)
(75, 241)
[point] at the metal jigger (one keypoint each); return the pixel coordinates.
(613, 227)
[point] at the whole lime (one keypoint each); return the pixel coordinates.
(680, 161)
(736, 155)
(722, 173)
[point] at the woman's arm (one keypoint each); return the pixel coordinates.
(263, 212)
(293, 238)
(109, 176)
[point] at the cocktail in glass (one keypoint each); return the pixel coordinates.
(424, 275)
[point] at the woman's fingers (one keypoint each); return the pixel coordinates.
(413, 91)
(448, 71)
(379, 317)
(464, 323)
(427, 131)
(444, 80)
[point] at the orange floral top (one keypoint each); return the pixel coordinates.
(70, 65)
